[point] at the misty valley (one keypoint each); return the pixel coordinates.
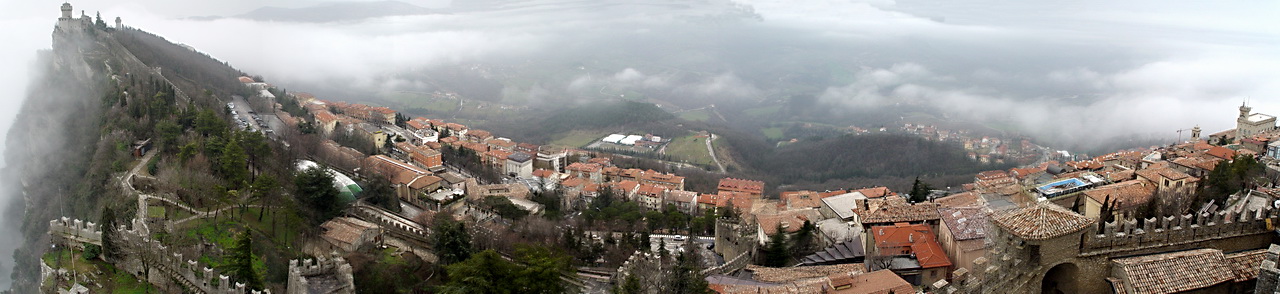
(717, 146)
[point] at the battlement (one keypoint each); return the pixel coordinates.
(335, 273)
(137, 248)
(76, 230)
(1127, 234)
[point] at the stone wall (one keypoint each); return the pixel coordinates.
(74, 232)
(1156, 233)
(335, 268)
(1269, 275)
(150, 259)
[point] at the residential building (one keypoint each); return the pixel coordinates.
(670, 181)
(1168, 179)
(551, 158)
(650, 196)
(963, 234)
(790, 221)
(426, 157)
(740, 185)
(349, 234)
(519, 164)
(1124, 196)
(843, 206)
(909, 250)
(684, 201)
(587, 171)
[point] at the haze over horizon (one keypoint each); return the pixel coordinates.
(1086, 71)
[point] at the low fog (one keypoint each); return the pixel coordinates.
(1080, 71)
(1084, 71)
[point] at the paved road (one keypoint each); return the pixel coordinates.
(712, 151)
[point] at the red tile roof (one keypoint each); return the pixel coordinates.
(876, 192)
(1174, 272)
(1040, 221)
(907, 239)
(1125, 195)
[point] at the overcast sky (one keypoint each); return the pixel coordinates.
(1090, 70)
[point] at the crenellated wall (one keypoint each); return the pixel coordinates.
(336, 267)
(144, 256)
(1157, 233)
(82, 232)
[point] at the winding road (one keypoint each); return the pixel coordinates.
(712, 151)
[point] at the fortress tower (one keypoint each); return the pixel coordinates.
(1249, 124)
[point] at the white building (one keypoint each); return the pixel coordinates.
(1249, 124)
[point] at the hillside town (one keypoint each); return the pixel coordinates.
(1194, 216)
(870, 240)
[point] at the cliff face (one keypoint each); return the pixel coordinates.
(50, 144)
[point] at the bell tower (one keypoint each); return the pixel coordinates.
(1244, 110)
(1195, 133)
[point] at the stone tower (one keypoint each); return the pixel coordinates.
(1245, 110)
(1195, 133)
(118, 23)
(66, 12)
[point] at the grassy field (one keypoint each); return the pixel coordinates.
(763, 111)
(578, 138)
(695, 115)
(774, 133)
(691, 149)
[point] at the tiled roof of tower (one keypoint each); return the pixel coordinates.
(1041, 221)
(1175, 272)
(788, 274)
(965, 223)
(1246, 264)
(894, 209)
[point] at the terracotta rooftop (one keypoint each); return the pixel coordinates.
(965, 223)
(893, 209)
(1174, 272)
(877, 282)
(1040, 221)
(959, 200)
(741, 185)
(1246, 264)
(1125, 194)
(1204, 163)
(917, 240)
(801, 199)
(788, 274)
(1155, 173)
(875, 192)
(791, 220)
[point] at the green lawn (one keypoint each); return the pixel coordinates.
(695, 115)
(155, 211)
(774, 133)
(691, 149)
(578, 138)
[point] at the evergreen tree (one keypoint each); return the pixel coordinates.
(110, 241)
(314, 187)
(920, 191)
(451, 240)
(234, 164)
(775, 252)
(239, 262)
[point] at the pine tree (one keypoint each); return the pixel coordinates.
(239, 262)
(775, 252)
